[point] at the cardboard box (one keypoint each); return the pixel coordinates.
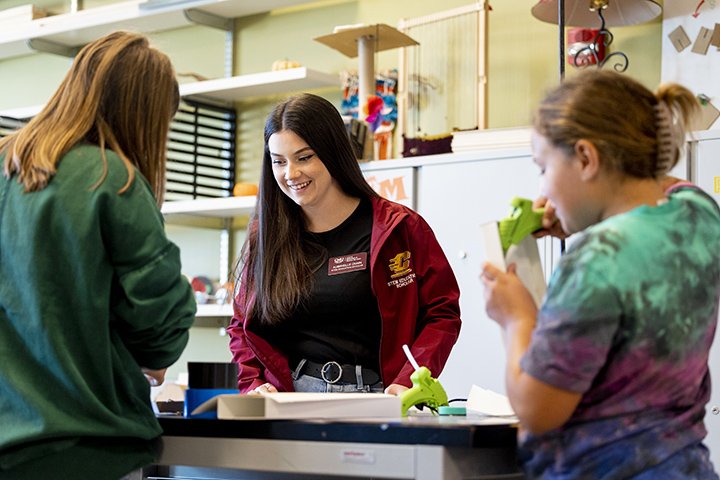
(290, 405)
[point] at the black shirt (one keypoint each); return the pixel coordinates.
(340, 320)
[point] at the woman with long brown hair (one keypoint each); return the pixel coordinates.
(335, 279)
(91, 290)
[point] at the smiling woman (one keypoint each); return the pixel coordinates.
(303, 177)
(327, 266)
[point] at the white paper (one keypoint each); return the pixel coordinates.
(526, 257)
(486, 402)
(491, 245)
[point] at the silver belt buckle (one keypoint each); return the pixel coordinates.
(326, 369)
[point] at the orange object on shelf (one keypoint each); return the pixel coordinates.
(245, 189)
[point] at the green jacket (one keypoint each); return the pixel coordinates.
(90, 291)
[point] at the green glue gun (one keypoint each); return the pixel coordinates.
(520, 222)
(426, 390)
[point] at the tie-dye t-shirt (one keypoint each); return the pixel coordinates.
(628, 321)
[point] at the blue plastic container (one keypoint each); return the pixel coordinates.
(194, 397)
(208, 380)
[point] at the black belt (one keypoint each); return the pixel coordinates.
(333, 372)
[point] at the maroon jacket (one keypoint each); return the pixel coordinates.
(417, 295)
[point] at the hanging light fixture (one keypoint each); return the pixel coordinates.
(594, 14)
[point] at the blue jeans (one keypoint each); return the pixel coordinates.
(306, 383)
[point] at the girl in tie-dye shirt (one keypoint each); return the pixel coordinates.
(609, 378)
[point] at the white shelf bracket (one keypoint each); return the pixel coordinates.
(226, 250)
(47, 46)
(201, 17)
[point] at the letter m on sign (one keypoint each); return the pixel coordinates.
(393, 188)
(395, 184)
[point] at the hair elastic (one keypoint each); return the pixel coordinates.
(665, 138)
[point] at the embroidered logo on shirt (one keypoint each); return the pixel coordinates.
(400, 271)
(400, 264)
(347, 263)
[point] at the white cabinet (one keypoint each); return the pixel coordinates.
(705, 172)
(456, 193)
(705, 161)
(455, 199)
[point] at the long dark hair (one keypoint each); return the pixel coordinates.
(275, 274)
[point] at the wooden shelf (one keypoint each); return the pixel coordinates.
(211, 207)
(258, 84)
(68, 31)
